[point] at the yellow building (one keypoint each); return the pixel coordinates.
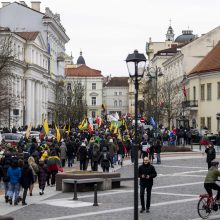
(203, 92)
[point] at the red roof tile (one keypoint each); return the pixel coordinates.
(82, 71)
(211, 62)
(118, 82)
(27, 35)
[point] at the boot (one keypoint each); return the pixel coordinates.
(6, 199)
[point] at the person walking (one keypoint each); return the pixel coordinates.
(218, 142)
(146, 173)
(27, 179)
(105, 159)
(83, 154)
(211, 154)
(158, 147)
(14, 174)
(63, 151)
(42, 176)
(34, 168)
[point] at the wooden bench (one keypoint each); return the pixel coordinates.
(116, 181)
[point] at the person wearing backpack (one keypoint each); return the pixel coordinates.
(95, 156)
(105, 160)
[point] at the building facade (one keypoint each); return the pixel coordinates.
(115, 95)
(45, 56)
(203, 92)
(91, 80)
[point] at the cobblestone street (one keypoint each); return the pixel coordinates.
(174, 196)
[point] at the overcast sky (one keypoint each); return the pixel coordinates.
(107, 30)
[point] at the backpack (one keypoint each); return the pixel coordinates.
(94, 152)
(105, 156)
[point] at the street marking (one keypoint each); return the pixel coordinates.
(67, 203)
(175, 194)
(178, 166)
(210, 217)
(176, 185)
(118, 210)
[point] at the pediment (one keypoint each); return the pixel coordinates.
(94, 94)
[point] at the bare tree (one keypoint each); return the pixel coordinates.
(170, 100)
(70, 104)
(6, 70)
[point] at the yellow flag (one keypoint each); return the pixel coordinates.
(69, 128)
(83, 125)
(46, 127)
(57, 133)
(27, 133)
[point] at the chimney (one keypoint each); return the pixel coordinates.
(5, 4)
(35, 5)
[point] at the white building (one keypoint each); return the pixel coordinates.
(44, 57)
(115, 95)
(91, 80)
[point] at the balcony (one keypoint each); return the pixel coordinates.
(190, 104)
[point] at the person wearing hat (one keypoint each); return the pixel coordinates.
(210, 180)
(83, 154)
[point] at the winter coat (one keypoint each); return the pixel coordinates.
(147, 169)
(63, 151)
(211, 155)
(105, 163)
(27, 178)
(42, 174)
(83, 153)
(14, 174)
(70, 148)
(95, 154)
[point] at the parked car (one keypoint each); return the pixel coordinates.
(12, 138)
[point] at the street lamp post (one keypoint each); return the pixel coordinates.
(154, 73)
(136, 67)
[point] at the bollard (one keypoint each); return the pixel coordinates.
(75, 191)
(95, 195)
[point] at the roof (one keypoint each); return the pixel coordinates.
(27, 35)
(167, 51)
(4, 29)
(186, 36)
(118, 82)
(81, 59)
(211, 62)
(82, 71)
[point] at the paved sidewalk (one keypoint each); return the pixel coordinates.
(51, 191)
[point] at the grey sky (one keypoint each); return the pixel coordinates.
(107, 30)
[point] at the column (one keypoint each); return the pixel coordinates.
(16, 86)
(28, 113)
(33, 103)
(37, 98)
(40, 103)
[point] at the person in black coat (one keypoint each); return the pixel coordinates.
(146, 174)
(83, 154)
(27, 180)
(211, 154)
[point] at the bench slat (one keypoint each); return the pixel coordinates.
(92, 180)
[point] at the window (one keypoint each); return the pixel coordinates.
(93, 101)
(115, 103)
(93, 114)
(32, 56)
(69, 101)
(209, 126)
(209, 91)
(202, 122)
(93, 86)
(79, 85)
(218, 90)
(68, 86)
(19, 52)
(202, 97)
(194, 93)
(120, 103)
(116, 93)
(120, 93)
